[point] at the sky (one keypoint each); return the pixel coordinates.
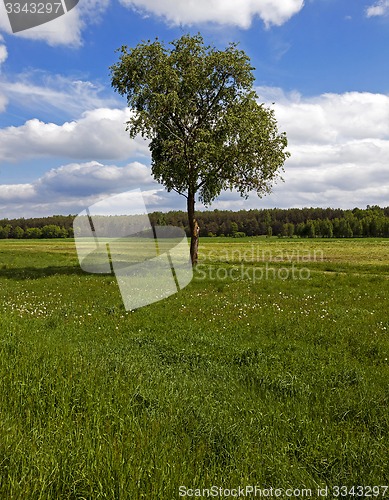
(322, 65)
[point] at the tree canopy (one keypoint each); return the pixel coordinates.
(198, 107)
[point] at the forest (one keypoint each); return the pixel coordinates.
(373, 221)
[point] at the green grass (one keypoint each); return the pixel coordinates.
(277, 382)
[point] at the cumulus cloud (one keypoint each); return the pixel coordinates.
(99, 133)
(380, 8)
(71, 188)
(339, 146)
(229, 12)
(330, 118)
(93, 178)
(17, 193)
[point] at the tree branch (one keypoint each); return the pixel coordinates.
(213, 102)
(171, 131)
(179, 192)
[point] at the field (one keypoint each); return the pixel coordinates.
(269, 369)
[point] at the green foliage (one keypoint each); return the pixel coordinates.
(197, 105)
(17, 232)
(327, 223)
(53, 231)
(288, 230)
(311, 229)
(234, 228)
(33, 232)
(5, 231)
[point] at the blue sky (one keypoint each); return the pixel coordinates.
(323, 63)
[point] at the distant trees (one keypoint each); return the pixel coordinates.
(5, 231)
(33, 232)
(53, 231)
(288, 230)
(289, 223)
(302, 223)
(16, 232)
(57, 226)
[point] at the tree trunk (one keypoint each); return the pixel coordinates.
(194, 229)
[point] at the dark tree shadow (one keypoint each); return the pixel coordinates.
(32, 273)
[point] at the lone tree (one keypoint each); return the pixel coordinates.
(198, 108)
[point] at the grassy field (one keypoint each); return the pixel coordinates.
(270, 369)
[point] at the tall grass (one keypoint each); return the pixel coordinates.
(281, 383)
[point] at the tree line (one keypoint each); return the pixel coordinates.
(293, 222)
(57, 226)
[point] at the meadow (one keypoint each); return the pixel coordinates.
(270, 369)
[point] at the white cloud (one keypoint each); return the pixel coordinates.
(3, 103)
(3, 51)
(339, 146)
(99, 133)
(330, 118)
(4, 22)
(16, 193)
(3, 58)
(229, 12)
(93, 178)
(380, 8)
(73, 187)
(40, 91)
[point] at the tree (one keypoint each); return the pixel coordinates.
(234, 228)
(326, 229)
(197, 106)
(53, 231)
(5, 231)
(251, 227)
(33, 232)
(287, 229)
(17, 232)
